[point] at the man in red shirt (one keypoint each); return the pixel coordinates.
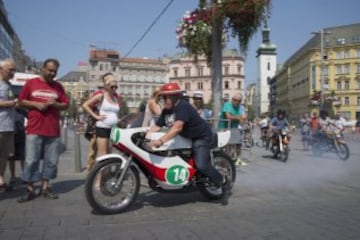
(44, 98)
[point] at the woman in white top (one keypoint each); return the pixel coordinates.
(153, 110)
(109, 107)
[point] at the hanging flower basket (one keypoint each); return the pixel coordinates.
(194, 32)
(240, 18)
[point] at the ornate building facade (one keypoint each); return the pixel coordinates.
(137, 77)
(194, 76)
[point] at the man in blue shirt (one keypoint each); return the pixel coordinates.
(185, 121)
(232, 114)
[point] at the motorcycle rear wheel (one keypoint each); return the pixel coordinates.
(342, 151)
(224, 164)
(100, 190)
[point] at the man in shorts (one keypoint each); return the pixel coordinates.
(7, 118)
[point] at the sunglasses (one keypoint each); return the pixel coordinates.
(114, 87)
(236, 100)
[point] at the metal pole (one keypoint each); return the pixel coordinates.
(77, 148)
(216, 63)
(321, 68)
(65, 135)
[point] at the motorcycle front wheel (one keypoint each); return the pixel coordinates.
(284, 154)
(342, 151)
(224, 164)
(103, 193)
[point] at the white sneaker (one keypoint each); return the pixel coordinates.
(240, 162)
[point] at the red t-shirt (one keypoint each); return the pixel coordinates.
(43, 123)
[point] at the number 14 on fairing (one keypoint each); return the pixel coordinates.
(177, 174)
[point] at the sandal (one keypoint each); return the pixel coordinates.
(49, 194)
(28, 196)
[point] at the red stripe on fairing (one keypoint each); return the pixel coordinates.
(156, 172)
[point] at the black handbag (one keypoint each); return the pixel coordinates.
(91, 122)
(90, 127)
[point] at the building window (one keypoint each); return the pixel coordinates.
(338, 85)
(101, 67)
(358, 68)
(226, 85)
(338, 69)
(187, 71)
(187, 86)
(200, 86)
(347, 85)
(338, 54)
(200, 70)
(239, 68)
(346, 69)
(356, 39)
(325, 71)
(226, 69)
(358, 83)
(326, 85)
(358, 53)
(239, 85)
(268, 66)
(175, 72)
(346, 54)
(358, 101)
(340, 41)
(346, 101)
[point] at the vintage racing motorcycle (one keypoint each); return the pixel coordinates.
(280, 144)
(112, 186)
(330, 141)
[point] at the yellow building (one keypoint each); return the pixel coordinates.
(328, 64)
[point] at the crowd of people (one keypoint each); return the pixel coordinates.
(317, 125)
(39, 102)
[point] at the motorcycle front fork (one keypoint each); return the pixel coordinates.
(123, 171)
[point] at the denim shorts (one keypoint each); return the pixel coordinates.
(41, 148)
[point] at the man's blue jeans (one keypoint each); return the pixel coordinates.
(37, 148)
(202, 148)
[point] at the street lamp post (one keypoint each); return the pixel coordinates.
(322, 57)
(321, 68)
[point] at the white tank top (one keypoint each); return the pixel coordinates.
(110, 110)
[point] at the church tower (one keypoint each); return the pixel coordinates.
(267, 61)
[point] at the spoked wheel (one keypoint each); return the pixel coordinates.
(102, 191)
(342, 151)
(224, 164)
(284, 154)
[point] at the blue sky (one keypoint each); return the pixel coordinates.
(65, 29)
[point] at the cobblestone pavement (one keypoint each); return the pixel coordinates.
(305, 198)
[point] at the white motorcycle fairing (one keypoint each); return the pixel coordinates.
(169, 172)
